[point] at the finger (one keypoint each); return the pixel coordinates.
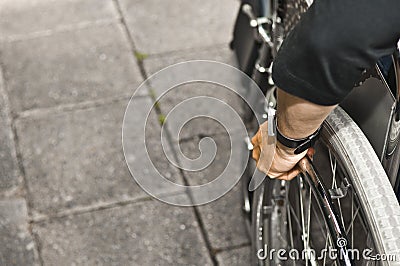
(256, 153)
(290, 175)
(311, 152)
(293, 173)
(283, 177)
(255, 139)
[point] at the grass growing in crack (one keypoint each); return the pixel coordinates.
(152, 94)
(161, 119)
(157, 107)
(140, 56)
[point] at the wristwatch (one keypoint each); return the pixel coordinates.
(299, 145)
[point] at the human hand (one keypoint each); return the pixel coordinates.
(284, 162)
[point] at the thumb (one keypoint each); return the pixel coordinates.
(290, 174)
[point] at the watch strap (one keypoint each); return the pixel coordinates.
(299, 145)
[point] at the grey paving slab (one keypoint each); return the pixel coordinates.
(221, 53)
(224, 222)
(222, 218)
(200, 126)
(205, 116)
(69, 67)
(26, 16)
(75, 158)
(160, 26)
(214, 163)
(17, 246)
(235, 257)
(9, 172)
(213, 166)
(148, 233)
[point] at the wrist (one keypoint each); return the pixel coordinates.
(283, 149)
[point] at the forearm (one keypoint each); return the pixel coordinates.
(298, 118)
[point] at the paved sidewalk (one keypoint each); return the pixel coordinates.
(67, 71)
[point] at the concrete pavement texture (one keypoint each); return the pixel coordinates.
(67, 71)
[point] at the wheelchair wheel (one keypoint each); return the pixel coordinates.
(288, 225)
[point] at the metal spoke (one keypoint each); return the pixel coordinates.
(333, 169)
(302, 218)
(318, 220)
(289, 218)
(311, 255)
(341, 213)
(308, 221)
(334, 183)
(295, 217)
(326, 246)
(352, 221)
(354, 216)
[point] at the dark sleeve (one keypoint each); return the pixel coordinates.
(324, 55)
